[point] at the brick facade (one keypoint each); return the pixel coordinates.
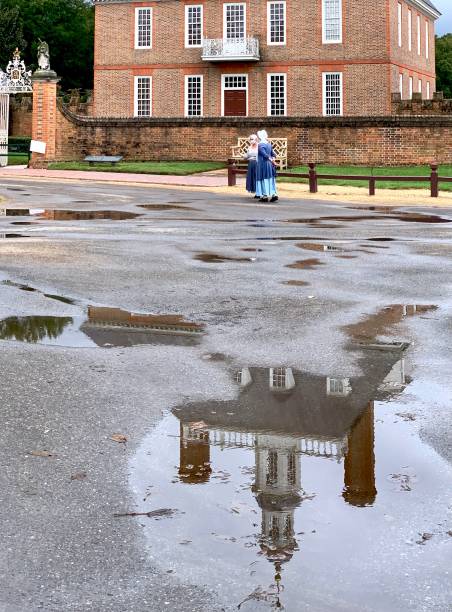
(369, 56)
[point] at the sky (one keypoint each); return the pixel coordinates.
(444, 23)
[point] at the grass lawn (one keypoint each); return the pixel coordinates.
(356, 170)
(17, 160)
(142, 167)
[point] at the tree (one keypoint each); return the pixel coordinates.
(444, 64)
(67, 26)
(11, 32)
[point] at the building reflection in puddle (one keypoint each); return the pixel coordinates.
(282, 415)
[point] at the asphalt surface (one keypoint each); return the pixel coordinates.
(63, 548)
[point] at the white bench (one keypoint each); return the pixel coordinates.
(279, 146)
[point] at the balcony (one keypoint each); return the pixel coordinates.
(230, 50)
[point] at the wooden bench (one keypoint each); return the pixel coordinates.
(103, 159)
(279, 146)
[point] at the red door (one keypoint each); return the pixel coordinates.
(235, 103)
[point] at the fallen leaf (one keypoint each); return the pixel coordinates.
(42, 453)
(79, 476)
(121, 438)
(151, 514)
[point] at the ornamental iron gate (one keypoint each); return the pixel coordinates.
(16, 80)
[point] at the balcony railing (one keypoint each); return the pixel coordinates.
(230, 50)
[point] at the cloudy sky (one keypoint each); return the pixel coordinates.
(444, 23)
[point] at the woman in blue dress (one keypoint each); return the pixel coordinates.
(251, 156)
(266, 170)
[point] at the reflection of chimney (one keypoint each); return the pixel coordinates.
(194, 455)
(359, 464)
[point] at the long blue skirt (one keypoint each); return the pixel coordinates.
(266, 188)
(251, 176)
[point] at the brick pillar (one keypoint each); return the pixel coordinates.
(44, 115)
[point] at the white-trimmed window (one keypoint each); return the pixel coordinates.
(143, 96)
(193, 95)
(428, 90)
(331, 21)
(401, 84)
(410, 29)
(399, 24)
(234, 20)
(418, 34)
(193, 25)
(332, 93)
(276, 23)
(419, 87)
(276, 94)
(410, 87)
(427, 40)
(143, 28)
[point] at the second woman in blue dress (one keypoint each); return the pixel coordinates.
(251, 156)
(266, 170)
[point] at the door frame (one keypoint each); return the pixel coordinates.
(223, 78)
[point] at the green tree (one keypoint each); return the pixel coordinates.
(11, 32)
(444, 64)
(67, 26)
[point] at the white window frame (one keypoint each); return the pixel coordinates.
(418, 34)
(419, 86)
(410, 87)
(187, 77)
(269, 41)
(187, 7)
(135, 95)
(427, 40)
(399, 23)
(137, 13)
(401, 84)
(337, 41)
(410, 29)
(324, 79)
(223, 79)
(269, 102)
(225, 29)
(428, 90)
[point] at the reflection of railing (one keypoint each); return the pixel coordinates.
(217, 49)
(316, 447)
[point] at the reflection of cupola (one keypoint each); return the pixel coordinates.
(194, 454)
(277, 488)
(359, 463)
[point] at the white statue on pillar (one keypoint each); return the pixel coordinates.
(43, 56)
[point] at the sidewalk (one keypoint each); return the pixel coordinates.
(194, 180)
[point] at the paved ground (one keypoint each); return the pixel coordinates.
(63, 549)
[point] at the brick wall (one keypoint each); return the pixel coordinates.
(20, 115)
(361, 140)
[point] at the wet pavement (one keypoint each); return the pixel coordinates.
(265, 431)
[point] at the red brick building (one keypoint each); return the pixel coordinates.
(211, 58)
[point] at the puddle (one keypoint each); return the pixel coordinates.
(306, 264)
(382, 322)
(10, 235)
(87, 215)
(346, 256)
(23, 223)
(215, 258)
(170, 206)
(296, 283)
(402, 216)
(51, 296)
(101, 327)
(14, 212)
(252, 250)
(314, 246)
(381, 239)
(290, 491)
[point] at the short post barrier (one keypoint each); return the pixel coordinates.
(372, 186)
(313, 186)
(434, 181)
(232, 177)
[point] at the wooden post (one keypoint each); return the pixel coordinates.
(372, 186)
(232, 177)
(313, 187)
(434, 181)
